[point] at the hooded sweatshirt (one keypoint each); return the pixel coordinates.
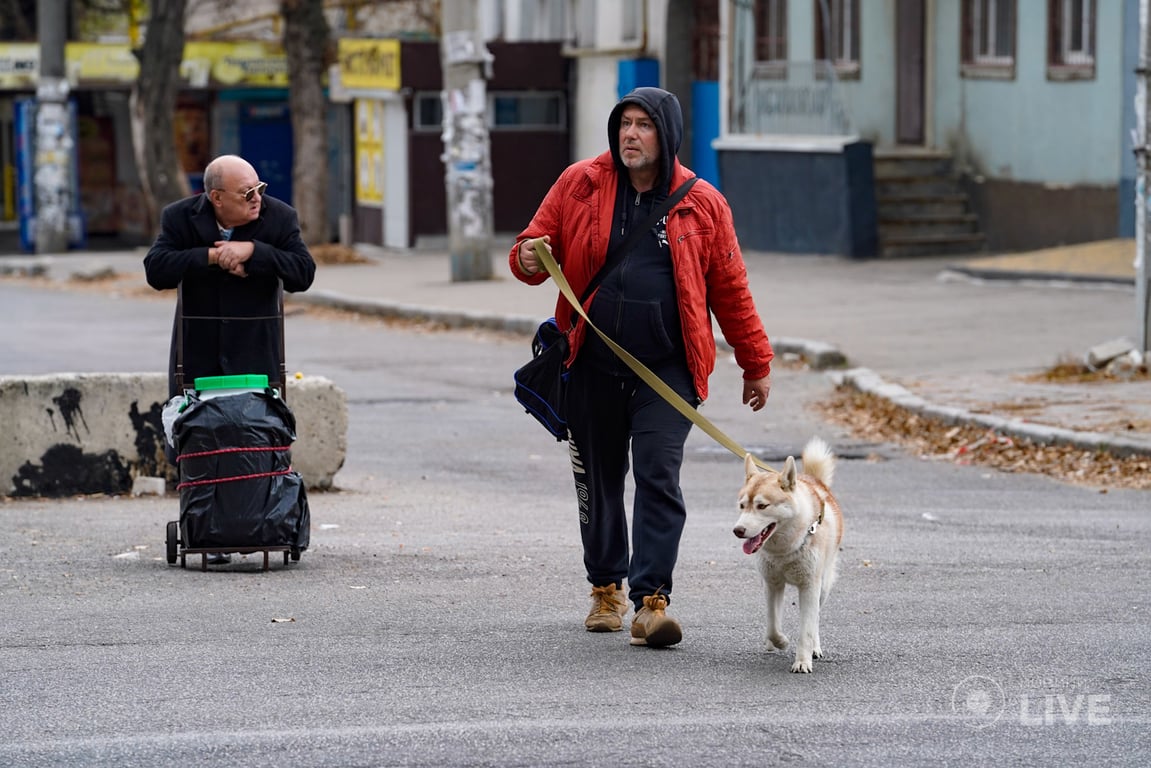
(636, 304)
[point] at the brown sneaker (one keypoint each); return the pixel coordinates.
(652, 626)
(608, 607)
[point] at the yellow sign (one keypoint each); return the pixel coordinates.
(369, 152)
(369, 64)
(235, 64)
(205, 65)
(96, 61)
(19, 65)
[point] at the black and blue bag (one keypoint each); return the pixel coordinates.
(542, 381)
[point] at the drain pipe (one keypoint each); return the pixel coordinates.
(1142, 196)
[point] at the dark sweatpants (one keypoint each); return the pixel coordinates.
(605, 412)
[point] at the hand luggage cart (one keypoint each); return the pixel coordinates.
(238, 492)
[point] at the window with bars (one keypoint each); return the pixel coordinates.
(771, 33)
(1070, 39)
(988, 45)
(705, 41)
(837, 35)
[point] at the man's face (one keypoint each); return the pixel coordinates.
(638, 140)
(239, 200)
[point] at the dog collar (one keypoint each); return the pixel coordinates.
(822, 507)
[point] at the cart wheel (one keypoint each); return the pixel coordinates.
(295, 554)
(173, 532)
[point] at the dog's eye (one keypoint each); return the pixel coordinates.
(761, 505)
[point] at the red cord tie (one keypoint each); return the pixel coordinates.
(211, 481)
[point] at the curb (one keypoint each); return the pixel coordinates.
(817, 354)
(455, 319)
(1025, 276)
(867, 381)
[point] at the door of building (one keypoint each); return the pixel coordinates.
(910, 71)
(266, 143)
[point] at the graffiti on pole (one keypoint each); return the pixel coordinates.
(467, 159)
(46, 172)
(54, 149)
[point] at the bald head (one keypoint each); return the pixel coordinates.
(225, 169)
(234, 188)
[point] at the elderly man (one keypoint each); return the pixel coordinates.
(228, 250)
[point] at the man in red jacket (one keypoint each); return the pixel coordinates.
(657, 303)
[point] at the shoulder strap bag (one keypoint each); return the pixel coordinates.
(540, 383)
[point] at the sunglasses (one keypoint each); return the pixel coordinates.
(251, 192)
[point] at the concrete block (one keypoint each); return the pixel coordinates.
(149, 486)
(1101, 354)
(66, 434)
(321, 410)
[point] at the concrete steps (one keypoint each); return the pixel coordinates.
(922, 208)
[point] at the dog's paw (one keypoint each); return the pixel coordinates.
(817, 653)
(777, 642)
(802, 666)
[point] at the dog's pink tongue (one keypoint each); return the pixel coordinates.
(751, 545)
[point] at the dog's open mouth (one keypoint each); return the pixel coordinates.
(751, 546)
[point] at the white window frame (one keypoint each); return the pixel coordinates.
(776, 10)
(421, 127)
(979, 46)
(1068, 54)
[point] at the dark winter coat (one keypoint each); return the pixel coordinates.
(242, 332)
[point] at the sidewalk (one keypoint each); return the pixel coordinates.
(953, 337)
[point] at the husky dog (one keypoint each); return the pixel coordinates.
(792, 522)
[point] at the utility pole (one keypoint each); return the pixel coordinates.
(54, 142)
(467, 153)
(1142, 184)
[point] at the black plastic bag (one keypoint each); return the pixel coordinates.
(541, 382)
(237, 487)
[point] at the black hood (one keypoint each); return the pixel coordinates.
(663, 108)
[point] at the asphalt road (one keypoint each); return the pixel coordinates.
(980, 618)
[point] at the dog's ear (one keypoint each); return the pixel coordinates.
(787, 476)
(749, 467)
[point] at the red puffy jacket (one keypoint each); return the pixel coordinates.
(710, 275)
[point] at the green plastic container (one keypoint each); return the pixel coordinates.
(220, 386)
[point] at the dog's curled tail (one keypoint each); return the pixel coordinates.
(819, 461)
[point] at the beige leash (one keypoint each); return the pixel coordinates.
(641, 370)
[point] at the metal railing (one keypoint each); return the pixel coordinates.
(801, 98)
